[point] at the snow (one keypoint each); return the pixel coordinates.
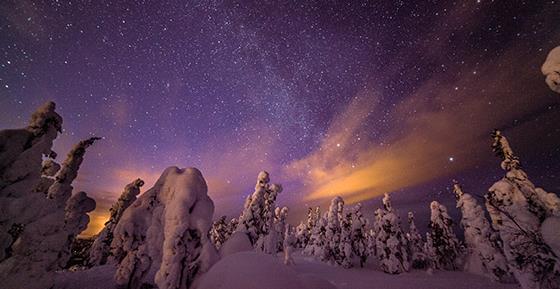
(163, 237)
(390, 240)
(518, 210)
(99, 277)
(551, 234)
(42, 229)
(99, 251)
(237, 242)
(258, 214)
(444, 249)
(62, 188)
(248, 270)
(484, 254)
(551, 69)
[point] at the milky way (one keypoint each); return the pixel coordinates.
(354, 98)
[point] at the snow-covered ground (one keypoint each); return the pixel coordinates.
(369, 277)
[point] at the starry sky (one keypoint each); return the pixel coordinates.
(350, 98)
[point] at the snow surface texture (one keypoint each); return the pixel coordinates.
(517, 210)
(551, 69)
(162, 239)
(238, 242)
(551, 233)
(251, 270)
(247, 270)
(101, 246)
(37, 232)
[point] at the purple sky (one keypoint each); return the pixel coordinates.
(353, 98)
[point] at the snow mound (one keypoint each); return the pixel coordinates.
(551, 69)
(251, 270)
(237, 242)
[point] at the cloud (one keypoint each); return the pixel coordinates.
(440, 129)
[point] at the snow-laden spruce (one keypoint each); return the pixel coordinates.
(359, 235)
(258, 211)
(390, 240)
(101, 246)
(305, 229)
(76, 218)
(37, 232)
(162, 239)
(62, 218)
(289, 244)
(272, 242)
(345, 247)
(483, 248)
(415, 245)
(280, 226)
(444, 249)
(551, 69)
(21, 154)
(62, 188)
(371, 242)
(331, 251)
(219, 232)
(518, 209)
(317, 239)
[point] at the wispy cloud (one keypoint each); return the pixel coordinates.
(440, 129)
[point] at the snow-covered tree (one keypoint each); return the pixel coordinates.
(280, 222)
(165, 232)
(390, 240)
(258, 212)
(289, 244)
(231, 227)
(444, 246)
(376, 230)
(539, 202)
(483, 255)
(371, 242)
(101, 246)
(40, 231)
(517, 210)
(415, 245)
(317, 240)
(21, 156)
(76, 219)
(303, 230)
(272, 242)
(219, 231)
(345, 247)
(62, 188)
(359, 235)
(331, 251)
(302, 235)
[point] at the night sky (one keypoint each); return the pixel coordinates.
(332, 98)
